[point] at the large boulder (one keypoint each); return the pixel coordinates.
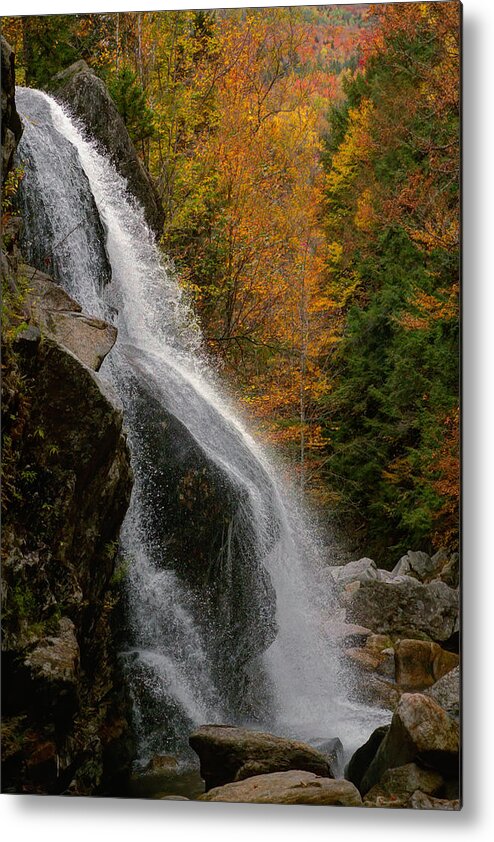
(361, 570)
(68, 492)
(446, 692)
(89, 99)
(418, 565)
(11, 126)
(420, 731)
(406, 608)
(74, 482)
(60, 317)
(292, 787)
(232, 754)
(419, 663)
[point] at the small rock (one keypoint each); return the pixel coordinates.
(440, 559)
(346, 634)
(422, 801)
(386, 666)
(161, 764)
(347, 592)
(418, 565)
(29, 337)
(332, 749)
(419, 663)
(174, 798)
(450, 573)
(364, 658)
(293, 787)
(403, 781)
(378, 642)
(372, 660)
(446, 692)
(387, 802)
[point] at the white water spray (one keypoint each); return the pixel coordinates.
(179, 673)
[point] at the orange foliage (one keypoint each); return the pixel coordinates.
(448, 466)
(441, 307)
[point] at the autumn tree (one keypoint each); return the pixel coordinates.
(392, 222)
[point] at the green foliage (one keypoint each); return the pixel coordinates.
(130, 99)
(49, 45)
(15, 393)
(13, 730)
(393, 385)
(121, 571)
(395, 368)
(20, 602)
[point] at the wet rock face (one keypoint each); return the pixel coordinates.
(197, 518)
(232, 754)
(60, 531)
(88, 99)
(11, 123)
(293, 787)
(75, 477)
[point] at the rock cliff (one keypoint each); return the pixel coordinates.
(66, 483)
(89, 99)
(67, 491)
(11, 124)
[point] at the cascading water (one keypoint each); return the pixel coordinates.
(225, 612)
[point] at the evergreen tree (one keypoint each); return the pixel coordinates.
(392, 216)
(130, 99)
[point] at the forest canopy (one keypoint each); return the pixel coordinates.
(307, 160)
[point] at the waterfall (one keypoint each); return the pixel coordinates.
(224, 602)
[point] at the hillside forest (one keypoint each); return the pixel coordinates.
(307, 161)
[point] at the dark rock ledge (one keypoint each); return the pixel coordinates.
(88, 99)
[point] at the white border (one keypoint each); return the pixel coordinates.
(44, 818)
